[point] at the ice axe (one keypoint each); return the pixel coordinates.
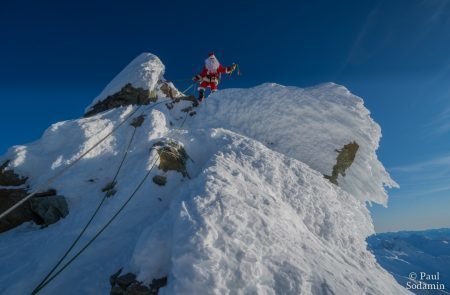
(237, 68)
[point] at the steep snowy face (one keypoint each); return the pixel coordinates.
(253, 214)
(143, 72)
(309, 125)
(258, 222)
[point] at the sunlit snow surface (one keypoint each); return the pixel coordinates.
(256, 217)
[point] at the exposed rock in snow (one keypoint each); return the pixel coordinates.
(141, 82)
(256, 215)
(306, 124)
(143, 72)
(160, 180)
(128, 285)
(9, 178)
(344, 160)
(44, 208)
(126, 96)
(49, 209)
(172, 157)
(9, 197)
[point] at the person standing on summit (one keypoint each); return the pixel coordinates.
(210, 75)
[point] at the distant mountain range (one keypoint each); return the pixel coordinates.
(419, 260)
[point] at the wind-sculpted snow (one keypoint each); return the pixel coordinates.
(253, 218)
(257, 222)
(306, 124)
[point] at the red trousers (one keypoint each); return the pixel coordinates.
(205, 84)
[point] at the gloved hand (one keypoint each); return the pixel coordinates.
(195, 79)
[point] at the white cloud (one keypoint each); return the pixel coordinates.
(369, 23)
(440, 124)
(438, 9)
(424, 166)
(424, 179)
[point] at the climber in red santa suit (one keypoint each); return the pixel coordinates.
(210, 75)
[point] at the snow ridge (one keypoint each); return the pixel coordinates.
(256, 215)
(308, 125)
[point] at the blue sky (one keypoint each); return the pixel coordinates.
(55, 57)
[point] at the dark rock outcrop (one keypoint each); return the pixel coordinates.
(126, 96)
(168, 90)
(43, 208)
(128, 285)
(110, 189)
(160, 180)
(9, 197)
(49, 210)
(172, 156)
(344, 160)
(9, 178)
(137, 122)
(157, 284)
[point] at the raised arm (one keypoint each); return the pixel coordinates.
(226, 70)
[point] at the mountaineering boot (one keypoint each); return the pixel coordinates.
(201, 95)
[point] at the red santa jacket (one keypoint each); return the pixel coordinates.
(206, 76)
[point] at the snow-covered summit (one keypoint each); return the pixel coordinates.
(143, 72)
(253, 214)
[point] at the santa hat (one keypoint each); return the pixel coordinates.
(211, 54)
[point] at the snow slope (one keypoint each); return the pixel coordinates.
(256, 216)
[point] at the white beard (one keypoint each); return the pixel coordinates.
(212, 64)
